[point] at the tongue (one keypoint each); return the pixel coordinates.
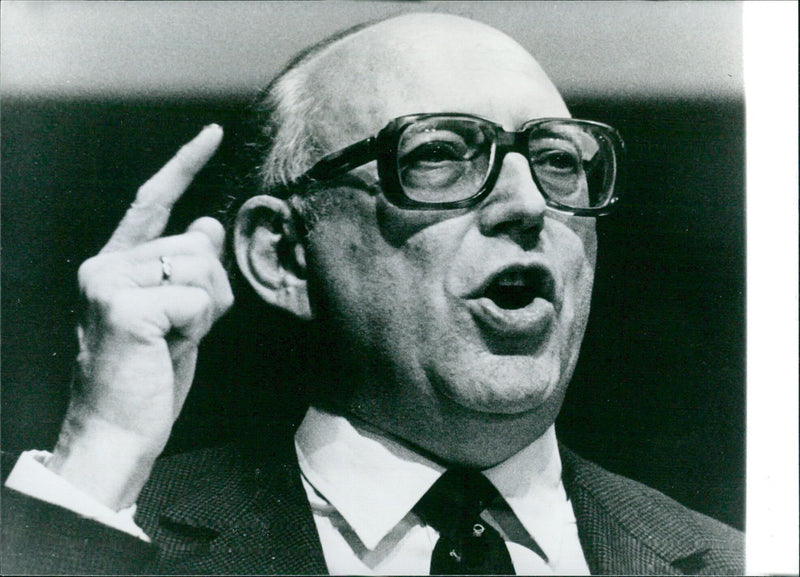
(511, 297)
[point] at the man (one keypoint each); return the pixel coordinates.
(428, 208)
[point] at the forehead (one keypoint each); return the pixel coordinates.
(427, 63)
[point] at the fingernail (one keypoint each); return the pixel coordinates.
(213, 125)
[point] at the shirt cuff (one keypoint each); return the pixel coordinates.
(31, 477)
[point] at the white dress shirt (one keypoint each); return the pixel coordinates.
(362, 487)
(31, 477)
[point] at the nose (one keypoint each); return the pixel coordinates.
(516, 207)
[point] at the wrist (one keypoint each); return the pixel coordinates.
(103, 460)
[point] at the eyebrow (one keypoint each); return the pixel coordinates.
(549, 132)
(577, 141)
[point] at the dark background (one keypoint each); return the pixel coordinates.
(659, 391)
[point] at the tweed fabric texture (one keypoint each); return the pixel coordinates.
(627, 528)
(243, 510)
(39, 539)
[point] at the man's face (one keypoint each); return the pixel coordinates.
(472, 311)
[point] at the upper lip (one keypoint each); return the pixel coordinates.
(538, 276)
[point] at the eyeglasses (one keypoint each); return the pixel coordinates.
(448, 161)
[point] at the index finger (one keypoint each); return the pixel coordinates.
(147, 217)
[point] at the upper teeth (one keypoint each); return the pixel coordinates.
(513, 278)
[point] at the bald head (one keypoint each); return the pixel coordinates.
(349, 86)
(420, 63)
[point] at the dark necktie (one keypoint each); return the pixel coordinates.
(467, 544)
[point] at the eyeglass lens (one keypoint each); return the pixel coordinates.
(450, 159)
(444, 160)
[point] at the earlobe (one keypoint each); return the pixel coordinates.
(270, 254)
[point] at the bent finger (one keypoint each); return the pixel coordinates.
(213, 229)
(206, 273)
(192, 242)
(148, 215)
(190, 311)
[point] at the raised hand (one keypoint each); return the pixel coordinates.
(149, 300)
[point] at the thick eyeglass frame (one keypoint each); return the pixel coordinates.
(383, 148)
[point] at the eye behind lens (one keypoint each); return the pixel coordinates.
(443, 160)
(450, 161)
(573, 163)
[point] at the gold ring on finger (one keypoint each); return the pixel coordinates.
(166, 270)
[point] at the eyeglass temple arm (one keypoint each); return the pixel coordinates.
(343, 161)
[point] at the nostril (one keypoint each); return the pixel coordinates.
(525, 232)
(520, 219)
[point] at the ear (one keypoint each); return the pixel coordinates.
(270, 255)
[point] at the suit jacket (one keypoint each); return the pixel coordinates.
(243, 510)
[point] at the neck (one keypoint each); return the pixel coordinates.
(409, 409)
(451, 434)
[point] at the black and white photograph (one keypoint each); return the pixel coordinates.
(389, 288)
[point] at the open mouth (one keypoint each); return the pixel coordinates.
(516, 288)
(517, 304)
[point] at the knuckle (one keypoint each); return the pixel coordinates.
(119, 312)
(216, 268)
(100, 276)
(143, 194)
(201, 271)
(86, 272)
(93, 279)
(205, 315)
(222, 286)
(97, 295)
(148, 202)
(206, 303)
(210, 273)
(202, 242)
(198, 301)
(208, 223)
(227, 299)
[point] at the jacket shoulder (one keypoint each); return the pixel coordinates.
(226, 471)
(236, 509)
(611, 507)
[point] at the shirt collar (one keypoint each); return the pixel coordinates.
(530, 482)
(373, 481)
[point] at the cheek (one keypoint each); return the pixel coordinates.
(573, 248)
(436, 260)
(374, 266)
(342, 255)
(588, 235)
(400, 227)
(588, 261)
(574, 243)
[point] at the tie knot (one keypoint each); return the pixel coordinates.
(455, 500)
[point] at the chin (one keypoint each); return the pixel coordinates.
(504, 405)
(514, 385)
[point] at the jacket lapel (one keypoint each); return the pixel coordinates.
(627, 528)
(249, 515)
(254, 518)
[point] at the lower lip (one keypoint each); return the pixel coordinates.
(534, 320)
